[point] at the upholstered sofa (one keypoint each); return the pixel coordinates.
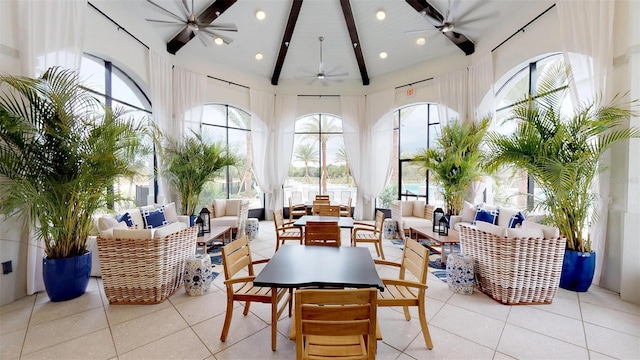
(515, 265)
(144, 266)
(411, 213)
(229, 212)
(503, 216)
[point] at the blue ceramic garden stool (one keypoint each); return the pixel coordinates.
(197, 274)
(460, 278)
(390, 229)
(253, 228)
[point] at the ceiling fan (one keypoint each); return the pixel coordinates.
(323, 74)
(192, 23)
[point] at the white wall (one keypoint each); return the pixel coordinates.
(103, 38)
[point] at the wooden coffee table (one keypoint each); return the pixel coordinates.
(441, 240)
(208, 240)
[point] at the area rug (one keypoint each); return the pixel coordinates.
(435, 266)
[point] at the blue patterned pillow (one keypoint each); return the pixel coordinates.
(516, 219)
(153, 219)
(126, 217)
(490, 216)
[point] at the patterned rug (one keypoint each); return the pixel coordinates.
(216, 260)
(435, 266)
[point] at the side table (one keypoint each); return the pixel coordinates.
(390, 229)
(197, 274)
(460, 276)
(253, 228)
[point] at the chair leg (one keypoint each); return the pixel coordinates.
(379, 244)
(425, 328)
(227, 319)
(407, 315)
(246, 308)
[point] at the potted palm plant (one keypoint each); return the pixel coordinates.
(60, 153)
(456, 160)
(562, 153)
(190, 162)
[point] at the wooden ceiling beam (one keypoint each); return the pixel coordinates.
(207, 16)
(286, 40)
(355, 41)
(433, 16)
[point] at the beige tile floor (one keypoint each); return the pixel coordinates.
(592, 325)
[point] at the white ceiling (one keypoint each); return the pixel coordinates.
(396, 34)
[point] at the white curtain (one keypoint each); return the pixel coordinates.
(189, 89)
(480, 90)
(50, 33)
(161, 85)
(451, 90)
(272, 133)
(586, 28)
(367, 124)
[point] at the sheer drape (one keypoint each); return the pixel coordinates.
(161, 85)
(367, 125)
(50, 33)
(466, 94)
(586, 28)
(451, 90)
(272, 130)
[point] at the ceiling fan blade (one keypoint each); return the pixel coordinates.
(183, 23)
(336, 75)
(453, 9)
(221, 27)
(166, 11)
(225, 39)
(473, 8)
(202, 39)
(185, 7)
(487, 18)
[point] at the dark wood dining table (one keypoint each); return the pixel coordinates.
(296, 266)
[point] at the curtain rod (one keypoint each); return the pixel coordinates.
(413, 83)
(145, 45)
(522, 28)
(118, 25)
(311, 95)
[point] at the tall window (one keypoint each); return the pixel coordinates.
(116, 89)
(512, 187)
(319, 163)
(415, 128)
(232, 127)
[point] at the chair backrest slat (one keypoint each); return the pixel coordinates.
(236, 256)
(415, 259)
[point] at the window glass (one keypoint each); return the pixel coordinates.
(230, 126)
(319, 164)
(413, 130)
(125, 90)
(92, 74)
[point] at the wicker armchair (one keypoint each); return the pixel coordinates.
(514, 270)
(139, 270)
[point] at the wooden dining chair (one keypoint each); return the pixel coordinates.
(296, 210)
(332, 324)
(236, 257)
(368, 233)
(325, 233)
(315, 208)
(408, 292)
(345, 209)
(286, 230)
(327, 210)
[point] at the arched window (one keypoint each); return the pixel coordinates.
(513, 187)
(415, 128)
(114, 88)
(319, 162)
(231, 126)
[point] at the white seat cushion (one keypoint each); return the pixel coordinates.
(231, 221)
(418, 208)
(491, 229)
(505, 215)
(525, 233)
(407, 208)
(415, 222)
(232, 207)
(550, 232)
(169, 229)
(219, 207)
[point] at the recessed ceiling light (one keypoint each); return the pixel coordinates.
(381, 15)
(260, 15)
(218, 41)
(383, 55)
(259, 56)
(421, 41)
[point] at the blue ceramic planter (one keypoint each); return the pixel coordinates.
(66, 278)
(577, 270)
